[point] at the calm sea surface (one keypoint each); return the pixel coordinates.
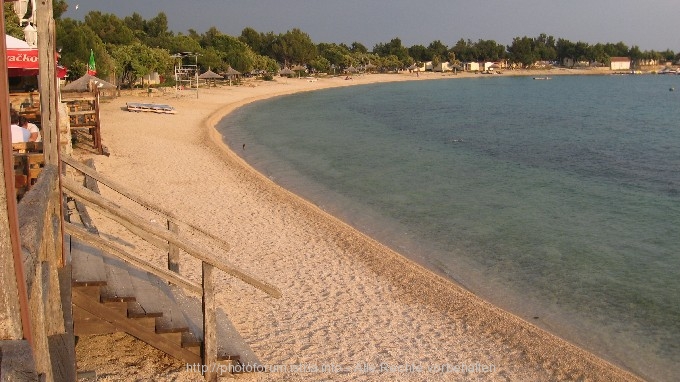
(557, 200)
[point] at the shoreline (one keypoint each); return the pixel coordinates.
(438, 321)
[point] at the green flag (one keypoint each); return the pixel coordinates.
(91, 67)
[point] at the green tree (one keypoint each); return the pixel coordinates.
(295, 47)
(210, 58)
(419, 53)
(521, 51)
(137, 60)
(184, 43)
(335, 54)
(109, 28)
(157, 33)
(12, 27)
(321, 64)
(76, 40)
(252, 38)
(358, 47)
(437, 49)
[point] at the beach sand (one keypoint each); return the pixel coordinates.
(348, 301)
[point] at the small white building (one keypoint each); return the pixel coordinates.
(471, 66)
(619, 63)
(443, 67)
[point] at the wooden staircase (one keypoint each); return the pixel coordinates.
(114, 291)
(109, 296)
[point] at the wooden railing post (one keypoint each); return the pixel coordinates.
(173, 250)
(209, 324)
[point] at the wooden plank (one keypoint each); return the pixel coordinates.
(134, 329)
(88, 264)
(209, 322)
(120, 252)
(82, 112)
(136, 310)
(121, 189)
(87, 324)
(90, 182)
(173, 250)
(62, 356)
(118, 283)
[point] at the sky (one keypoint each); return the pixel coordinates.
(649, 24)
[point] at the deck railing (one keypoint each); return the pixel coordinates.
(168, 238)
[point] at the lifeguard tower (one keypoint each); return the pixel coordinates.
(186, 75)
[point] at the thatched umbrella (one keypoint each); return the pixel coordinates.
(231, 72)
(299, 69)
(369, 67)
(286, 72)
(88, 83)
(210, 75)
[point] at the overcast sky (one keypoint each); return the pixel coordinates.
(650, 24)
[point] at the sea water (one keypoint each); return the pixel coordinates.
(558, 200)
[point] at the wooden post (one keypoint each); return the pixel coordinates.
(97, 129)
(209, 324)
(173, 250)
(47, 80)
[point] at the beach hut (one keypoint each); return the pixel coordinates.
(210, 75)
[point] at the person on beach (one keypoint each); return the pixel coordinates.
(32, 128)
(19, 134)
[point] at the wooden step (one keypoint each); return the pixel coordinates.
(171, 346)
(88, 265)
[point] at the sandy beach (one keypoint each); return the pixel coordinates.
(349, 302)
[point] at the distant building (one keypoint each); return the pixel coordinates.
(471, 66)
(619, 63)
(442, 67)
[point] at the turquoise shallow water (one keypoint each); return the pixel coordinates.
(557, 200)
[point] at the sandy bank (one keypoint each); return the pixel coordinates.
(348, 301)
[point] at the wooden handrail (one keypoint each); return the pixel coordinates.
(119, 188)
(129, 218)
(118, 251)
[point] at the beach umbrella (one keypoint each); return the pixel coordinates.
(369, 67)
(299, 69)
(286, 72)
(87, 83)
(352, 69)
(231, 72)
(210, 75)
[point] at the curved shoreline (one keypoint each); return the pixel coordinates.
(519, 349)
(473, 303)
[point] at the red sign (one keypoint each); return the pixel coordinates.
(22, 58)
(24, 62)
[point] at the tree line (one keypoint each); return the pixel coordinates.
(132, 47)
